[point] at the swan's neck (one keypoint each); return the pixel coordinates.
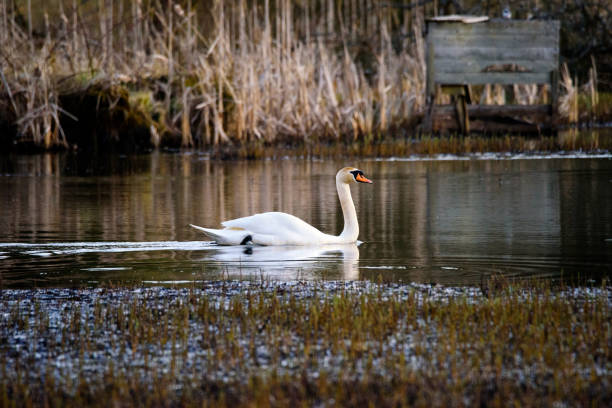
(351, 227)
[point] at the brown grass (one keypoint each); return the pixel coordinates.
(221, 72)
(246, 75)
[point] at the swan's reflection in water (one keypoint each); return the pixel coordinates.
(288, 262)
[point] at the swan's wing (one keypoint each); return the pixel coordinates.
(271, 228)
(228, 236)
(275, 224)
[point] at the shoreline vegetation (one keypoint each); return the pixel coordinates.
(241, 77)
(239, 343)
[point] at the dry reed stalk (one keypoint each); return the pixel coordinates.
(109, 33)
(74, 29)
(9, 93)
(499, 94)
(592, 87)
(29, 9)
(170, 53)
(568, 106)
(382, 89)
(103, 27)
(525, 94)
(485, 96)
(186, 140)
(155, 139)
(120, 28)
(4, 19)
(330, 17)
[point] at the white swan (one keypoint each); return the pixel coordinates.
(277, 228)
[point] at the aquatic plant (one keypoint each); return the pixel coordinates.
(328, 343)
(569, 100)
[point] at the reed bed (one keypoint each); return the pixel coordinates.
(236, 343)
(156, 73)
(220, 73)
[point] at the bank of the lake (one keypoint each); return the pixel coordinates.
(237, 343)
(109, 76)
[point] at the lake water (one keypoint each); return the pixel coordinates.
(69, 221)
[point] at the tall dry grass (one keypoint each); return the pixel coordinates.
(590, 89)
(222, 72)
(218, 72)
(569, 100)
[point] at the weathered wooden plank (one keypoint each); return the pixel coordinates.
(495, 39)
(438, 32)
(493, 118)
(443, 124)
(502, 54)
(504, 78)
(519, 27)
(491, 111)
(443, 32)
(480, 126)
(479, 65)
(554, 95)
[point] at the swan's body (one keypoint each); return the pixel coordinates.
(277, 228)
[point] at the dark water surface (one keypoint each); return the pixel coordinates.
(65, 221)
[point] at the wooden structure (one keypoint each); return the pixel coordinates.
(464, 52)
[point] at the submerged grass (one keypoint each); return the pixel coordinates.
(332, 343)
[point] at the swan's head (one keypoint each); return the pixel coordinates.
(351, 175)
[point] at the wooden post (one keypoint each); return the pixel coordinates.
(430, 86)
(554, 95)
(461, 111)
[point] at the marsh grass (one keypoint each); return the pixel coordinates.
(330, 343)
(219, 73)
(569, 140)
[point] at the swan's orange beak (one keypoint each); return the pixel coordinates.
(360, 178)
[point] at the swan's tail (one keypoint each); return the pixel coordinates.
(227, 236)
(211, 233)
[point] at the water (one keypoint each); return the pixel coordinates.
(69, 221)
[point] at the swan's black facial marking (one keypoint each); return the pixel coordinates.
(355, 173)
(359, 177)
(246, 240)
